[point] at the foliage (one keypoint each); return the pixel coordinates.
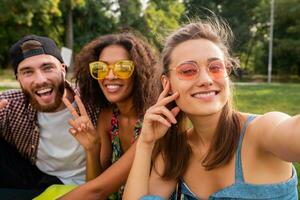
(72, 4)
(19, 18)
(250, 23)
(130, 13)
(80, 21)
(161, 18)
(286, 41)
(239, 15)
(286, 34)
(67, 7)
(92, 20)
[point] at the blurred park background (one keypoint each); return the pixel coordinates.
(73, 23)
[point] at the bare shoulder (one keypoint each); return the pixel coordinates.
(268, 120)
(260, 128)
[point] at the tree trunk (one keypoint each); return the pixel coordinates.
(69, 30)
(69, 35)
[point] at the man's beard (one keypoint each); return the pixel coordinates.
(58, 90)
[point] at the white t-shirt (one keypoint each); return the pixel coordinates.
(59, 153)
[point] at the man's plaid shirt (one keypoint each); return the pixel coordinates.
(19, 125)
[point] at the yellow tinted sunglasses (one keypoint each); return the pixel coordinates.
(122, 69)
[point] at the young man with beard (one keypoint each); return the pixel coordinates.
(36, 149)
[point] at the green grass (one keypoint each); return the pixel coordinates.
(262, 98)
(7, 75)
(3, 88)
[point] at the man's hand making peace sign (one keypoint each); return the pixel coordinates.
(82, 127)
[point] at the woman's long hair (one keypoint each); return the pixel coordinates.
(174, 147)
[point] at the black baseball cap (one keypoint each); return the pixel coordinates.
(48, 46)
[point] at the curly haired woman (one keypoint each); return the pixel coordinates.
(117, 73)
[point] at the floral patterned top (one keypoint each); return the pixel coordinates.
(116, 144)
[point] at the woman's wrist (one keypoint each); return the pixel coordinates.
(142, 145)
(93, 150)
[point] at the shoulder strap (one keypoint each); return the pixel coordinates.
(178, 191)
(239, 177)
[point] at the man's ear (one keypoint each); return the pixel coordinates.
(64, 69)
(164, 81)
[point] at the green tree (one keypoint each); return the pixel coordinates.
(93, 19)
(19, 18)
(286, 57)
(286, 41)
(67, 7)
(162, 17)
(130, 13)
(240, 15)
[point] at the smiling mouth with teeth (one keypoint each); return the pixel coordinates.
(112, 86)
(46, 91)
(205, 94)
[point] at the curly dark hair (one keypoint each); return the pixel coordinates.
(145, 77)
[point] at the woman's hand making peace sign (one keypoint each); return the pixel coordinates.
(158, 118)
(82, 127)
